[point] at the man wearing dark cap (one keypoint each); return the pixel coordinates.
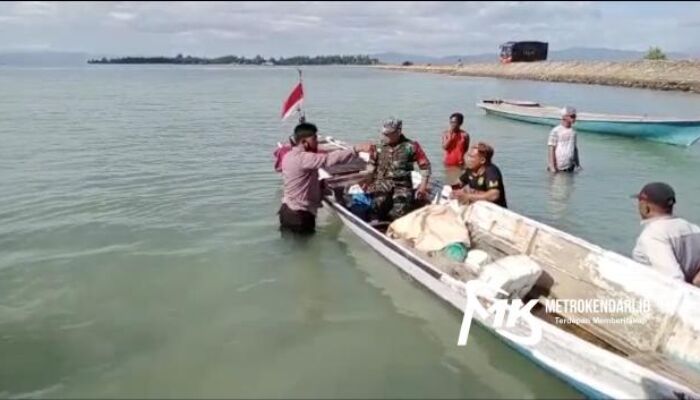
(302, 192)
(669, 244)
(392, 186)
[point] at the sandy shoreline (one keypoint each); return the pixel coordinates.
(659, 75)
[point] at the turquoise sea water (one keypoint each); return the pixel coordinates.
(139, 251)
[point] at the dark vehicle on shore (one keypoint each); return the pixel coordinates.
(523, 51)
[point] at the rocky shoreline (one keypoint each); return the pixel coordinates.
(659, 75)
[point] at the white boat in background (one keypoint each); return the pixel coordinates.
(676, 131)
(659, 359)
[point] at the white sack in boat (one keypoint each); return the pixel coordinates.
(430, 228)
(515, 275)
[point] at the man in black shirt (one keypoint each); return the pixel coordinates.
(482, 180)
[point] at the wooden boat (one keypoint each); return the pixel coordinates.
(659, 359)
(675, 131)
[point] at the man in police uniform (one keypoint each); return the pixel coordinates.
(482, 179)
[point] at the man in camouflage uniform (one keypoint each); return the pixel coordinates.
(392, 186)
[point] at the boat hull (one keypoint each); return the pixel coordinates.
(594, 372)
(679, 133)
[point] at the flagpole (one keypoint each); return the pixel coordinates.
(302, 116)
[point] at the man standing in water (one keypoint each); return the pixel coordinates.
(302, 192)
(667, 243)
(455, 142)
(562, 147)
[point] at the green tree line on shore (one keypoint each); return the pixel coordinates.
(257, 60)
(655, 53)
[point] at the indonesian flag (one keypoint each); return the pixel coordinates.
(294, 100)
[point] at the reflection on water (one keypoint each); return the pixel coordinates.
(308, 282)
(561, 187)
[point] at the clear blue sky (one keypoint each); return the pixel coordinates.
(287, 28)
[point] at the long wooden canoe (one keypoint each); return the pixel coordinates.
(658, 359)
(675, 131)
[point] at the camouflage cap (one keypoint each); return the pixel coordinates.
(391, 125)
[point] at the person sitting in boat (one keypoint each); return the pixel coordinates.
(302, 192)
(482, 180)
(391, 185)
(562, 146)
(455, 143)
(667, 243)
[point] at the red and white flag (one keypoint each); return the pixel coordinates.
(296, 97)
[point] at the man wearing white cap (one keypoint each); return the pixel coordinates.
(562, 148)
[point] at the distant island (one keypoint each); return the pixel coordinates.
(235, 60)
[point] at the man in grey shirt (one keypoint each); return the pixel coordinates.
(669, 244)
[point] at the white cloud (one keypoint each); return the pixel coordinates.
(122, 16)
(286, 28)
(224, 34)
(8, 18)
(35, 8)
(28, 47)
